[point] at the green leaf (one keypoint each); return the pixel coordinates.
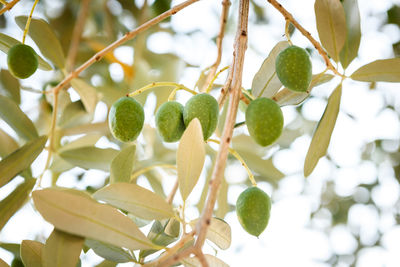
(7, 144)
(266, 83)
(331, 25)
(16, 118)
(135, 199)
(222, 200)
(122, 165)
(384, 70)
(31, 253)
(12, 248)
(211, 260)
(350, 48)
(61, 250)
(74, 114)
(106, 263)
(322, 135)
(45, 38)
(90, 157)
(190, 157)
(14, 201)
(10, 86)
(109, 252)
(73, 212)
(289, 97)
(6, 42)
(87, 93)
(219, 232)
(20, 159)
(84, 141)
(4, 264)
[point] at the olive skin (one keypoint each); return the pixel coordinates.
(264, 120)
(22, 61)
(253, 208)
(169, 121)
(205, 108)
(294, 69)
(126, 119)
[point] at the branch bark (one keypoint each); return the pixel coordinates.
(8, 6)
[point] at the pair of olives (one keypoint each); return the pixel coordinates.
(126, 118)
(22, 61)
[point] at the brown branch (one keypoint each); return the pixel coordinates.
(171, 195)
(8, 6)
(224, 17)
(307, 34)
(76, 35)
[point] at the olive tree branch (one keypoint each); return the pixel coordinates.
(8, 6)
(288, 17)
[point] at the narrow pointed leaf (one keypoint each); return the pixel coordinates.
(74, 114)
(45, 38)
(122, 165)
(219, 232)
(266, 83)
(84, 141)
(135, 199)
(74, 212)
(90, 157)
(14, 201)
(61, 250)
(190, 157)
(350, 48)
(109, 252)
(384, 70)
(211, 260)
(87, 93)
(6, 42)
(16, 118)
(20, 159)
(31, 253)
(10, 86)
(331, 25)
(7, 144)
(322, 135)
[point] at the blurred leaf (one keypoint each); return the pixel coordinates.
(78, 214)
(106, 263)
(7, 144)
(190, 157)
(222, 200)
(12, 248)
(20, 159)
(211, 260)
(61, 250)
(4, 264)
(219, 232)
(322, 135)
(122, 165)
(394, 15)
(10, 86)
(384, 70)
(84, 141)
(350, 48)
(90, 157)
(87, 93)
(14, 201)
(331, 25)
(135, 199)
(289, 97)
(6, 42)
(31, 253)
(74, 114)
(266, 83)
(109, 252)
(16, 118)
(45, 38)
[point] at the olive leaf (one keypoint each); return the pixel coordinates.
(219, 232)
(383, 70)
(211, 260)
(7, 144)
(190, 157)
(109, 252)
(87, 93)
(331, 25)
(9, 85)
(322, 135)
(31, 253)
(122, 165)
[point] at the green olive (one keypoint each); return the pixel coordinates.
(22, 61)
(169, 121)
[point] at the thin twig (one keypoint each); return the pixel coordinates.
(28, 22)
(202, 258)
(76, 35)
(8, 6)
(171, 195)
(224, 18)
(3, 2)
(307, 34)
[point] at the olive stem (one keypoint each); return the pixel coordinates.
(3, 2)
(28, 22)
(214, 78)
(173, 93)
(244, 91)
(287, 32)
(239, 158)
(160, 84)
(8, 6)
(289, 17)
(149, 168)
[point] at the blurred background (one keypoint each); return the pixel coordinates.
(346, 213)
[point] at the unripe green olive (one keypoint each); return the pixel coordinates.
(205, 108)
(293, 67)
(169, 121)
(264, 120)
(253, 208)
(126, 119)
(22, 61)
